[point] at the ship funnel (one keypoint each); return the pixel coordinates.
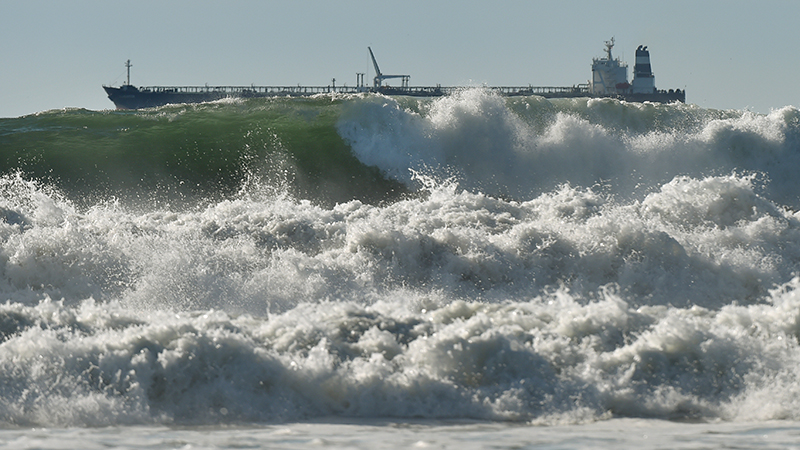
(643, 79)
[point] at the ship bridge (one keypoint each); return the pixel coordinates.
(609, 75)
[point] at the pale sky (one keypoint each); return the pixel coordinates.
(725, 53)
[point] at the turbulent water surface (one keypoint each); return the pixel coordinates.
(516, 261)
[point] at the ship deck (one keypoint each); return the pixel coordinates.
(259, 91)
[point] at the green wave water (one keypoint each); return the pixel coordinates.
(189, 152)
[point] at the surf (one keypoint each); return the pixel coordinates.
(470, 257)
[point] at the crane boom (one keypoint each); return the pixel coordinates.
(374, 62)
(379, 77)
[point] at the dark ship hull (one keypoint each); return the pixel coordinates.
(131, 97)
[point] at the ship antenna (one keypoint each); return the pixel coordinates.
(129, 65)
(609, 46)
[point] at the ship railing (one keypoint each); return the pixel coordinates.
(565, 91)
(244, 91)
(254, 90)
(670, 91)
(541, 90)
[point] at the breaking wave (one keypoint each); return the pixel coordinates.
(523, 259)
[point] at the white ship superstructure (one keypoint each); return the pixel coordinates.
(609, 75)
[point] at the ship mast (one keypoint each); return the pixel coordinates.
(128, 66)
(609, 46)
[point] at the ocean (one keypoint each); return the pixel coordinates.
(471, 271)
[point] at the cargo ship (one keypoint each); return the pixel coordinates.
(609, 80)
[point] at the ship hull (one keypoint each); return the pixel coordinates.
(130, 97)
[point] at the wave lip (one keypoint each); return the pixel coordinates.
(337, 148)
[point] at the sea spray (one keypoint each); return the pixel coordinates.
(521, 147)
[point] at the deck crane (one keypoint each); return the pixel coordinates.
(379, 77)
